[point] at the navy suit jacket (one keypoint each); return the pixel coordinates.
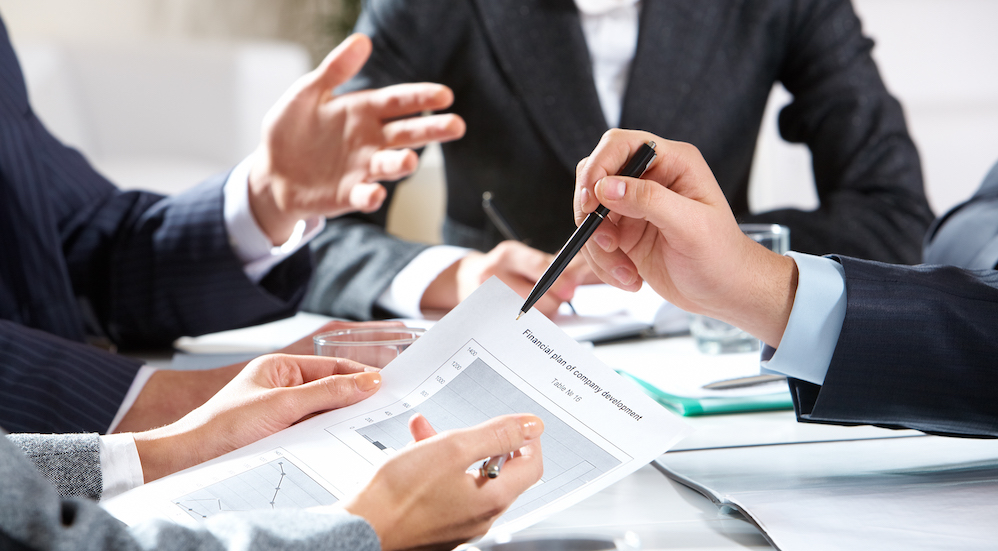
(917, 350)
(81, 258)
(702, 73)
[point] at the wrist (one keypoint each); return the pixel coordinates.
(762, 306)
(164, 451)
(442, 293)
(269, 210)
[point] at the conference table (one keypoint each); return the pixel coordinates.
(646, 506)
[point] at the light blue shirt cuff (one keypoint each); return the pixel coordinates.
(815, 320)
(246, 237)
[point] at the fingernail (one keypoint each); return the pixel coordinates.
(623, 275)
(603, 241)
(532, 426)
(372, 369)
(367, 381)
(614, 188)
(584, 196)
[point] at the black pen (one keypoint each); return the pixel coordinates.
(504, 227)
(633, 169)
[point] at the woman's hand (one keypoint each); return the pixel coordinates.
(425, 494)
(270, 394)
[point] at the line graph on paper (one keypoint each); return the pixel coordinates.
(276, 483)
(467, 390)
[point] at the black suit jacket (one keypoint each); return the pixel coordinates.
(80, 258)
(702, 73)
(917, 350)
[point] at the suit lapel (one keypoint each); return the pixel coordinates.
(540, 48)
(676, 39)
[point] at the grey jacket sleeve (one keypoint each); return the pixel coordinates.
(33, 516)
(967, 235)
(71, 462)
(355, 261)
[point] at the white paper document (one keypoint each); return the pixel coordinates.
(915, 493)
(603, 312)
(682, 370)
(474, 364)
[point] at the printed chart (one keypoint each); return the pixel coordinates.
(466, 391)
(276, 484)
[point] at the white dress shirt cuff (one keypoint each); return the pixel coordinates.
(815, 320)
(138, 383)
(246, 237)
(403, 296)
(120, 467)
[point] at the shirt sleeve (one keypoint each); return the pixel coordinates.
(120, 467)
(815, 321)
(403, 295)
(248, 241)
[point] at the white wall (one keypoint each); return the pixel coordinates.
(940, 58)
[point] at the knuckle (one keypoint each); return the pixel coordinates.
(504, 437)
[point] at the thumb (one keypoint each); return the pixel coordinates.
(333, 392)
(343, 62)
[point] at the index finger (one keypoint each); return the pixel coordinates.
(497, 436)
(314, 368)
(401, 100)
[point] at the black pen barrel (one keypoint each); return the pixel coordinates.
(634, 168)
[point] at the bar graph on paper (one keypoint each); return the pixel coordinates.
(277, 483)
(444, 398)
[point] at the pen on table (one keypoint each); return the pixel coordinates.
(503, 225)
(633, 169)
(493, 465)
(738, 382)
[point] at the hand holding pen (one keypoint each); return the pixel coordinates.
(634, 168)
(505, 228)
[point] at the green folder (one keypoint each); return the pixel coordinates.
(689, 407)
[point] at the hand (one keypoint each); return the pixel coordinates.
(270, 394)
(517, 265)
(424, 495)
(674, 229)
(170, 394)
(322, 154)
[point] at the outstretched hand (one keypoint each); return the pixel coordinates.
(322, 154)
(425, 495)
(268, 395)
(674, 229)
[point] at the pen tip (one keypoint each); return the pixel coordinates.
(520, 315)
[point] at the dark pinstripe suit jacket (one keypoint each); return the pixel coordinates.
(702, 73)
(78, 257)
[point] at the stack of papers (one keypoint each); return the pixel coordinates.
(603, 313)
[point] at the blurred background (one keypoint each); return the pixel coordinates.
(160, 94)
